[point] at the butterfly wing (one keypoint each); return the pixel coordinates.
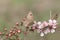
(28, 20)
(30, 16)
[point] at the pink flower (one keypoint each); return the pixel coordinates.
(33, 28)
(45, 23)
(40, 26)
(45, 27)
(52, 22)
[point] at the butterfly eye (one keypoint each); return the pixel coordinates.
(30, 14)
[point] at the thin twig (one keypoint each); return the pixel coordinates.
(50, 14)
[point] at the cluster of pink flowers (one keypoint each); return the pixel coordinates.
(45, 27)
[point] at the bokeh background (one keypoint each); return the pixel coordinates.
(12, 11)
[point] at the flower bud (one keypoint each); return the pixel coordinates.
(0, 33)
(17, 24)
(10, 35)
(18, 31)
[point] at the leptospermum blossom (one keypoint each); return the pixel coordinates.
(35, 25)
(42, 28)
(52, 22)
(45, 27)
(52, 25)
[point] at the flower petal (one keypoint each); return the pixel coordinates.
(42, 34)
(50, 21)
(54, 21)
(52, 30)
(45, 23)
(39, 23)
(54, 27)
(45, 31)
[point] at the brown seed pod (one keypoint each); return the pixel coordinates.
(7, 35)
(55, 16)
(14, 32)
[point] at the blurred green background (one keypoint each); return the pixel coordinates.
(12, 11)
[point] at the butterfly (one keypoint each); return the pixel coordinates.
(28, 20)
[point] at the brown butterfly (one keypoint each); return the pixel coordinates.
(28, 20)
